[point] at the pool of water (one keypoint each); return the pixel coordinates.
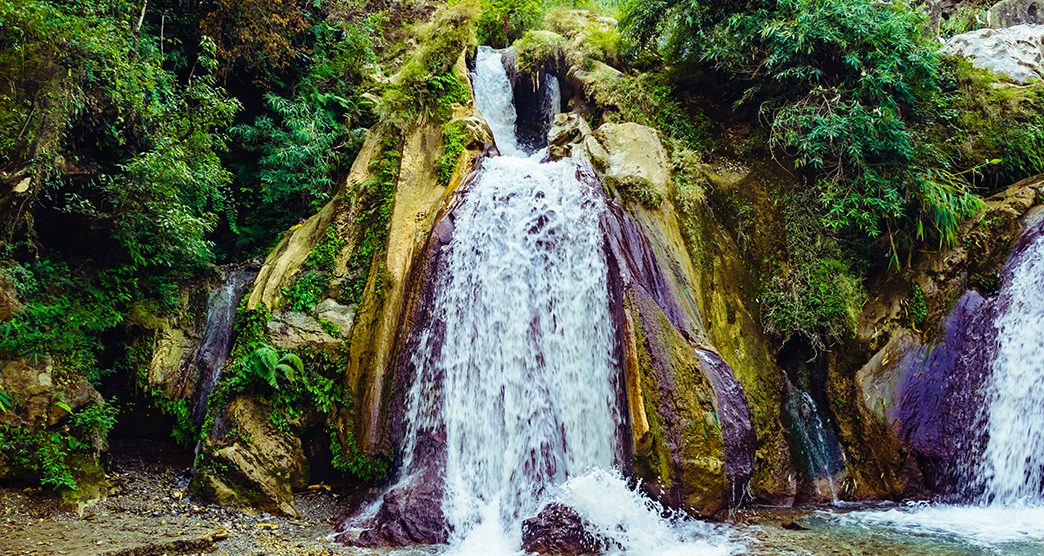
(893, 529)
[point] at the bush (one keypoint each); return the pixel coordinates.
(505, 21)
(850, 90)
(426, 85)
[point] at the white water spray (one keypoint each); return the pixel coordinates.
(1013, 467)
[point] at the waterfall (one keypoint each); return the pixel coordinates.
(494, 99)
(819, 450)
(222, 302)
(526, 359)
(1013, 462)
(513, 400)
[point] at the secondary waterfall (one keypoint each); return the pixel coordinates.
(1013, 462)
(820, 453)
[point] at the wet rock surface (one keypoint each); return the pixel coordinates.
(559, 530)
(148, 511)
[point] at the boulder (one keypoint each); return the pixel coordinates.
(37, 394)
(634, 162)
(250, 463)
(1014, 52)
(558, 530)
(341, 316)
(567, 130)
(1008, 13)
(300, 332)
(907, 396)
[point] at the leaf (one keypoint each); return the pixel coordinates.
(63, 406)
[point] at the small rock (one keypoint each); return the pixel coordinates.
(791, 525)
(558, 529)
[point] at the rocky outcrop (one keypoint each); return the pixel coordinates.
(353, 336)
(188, 351)
(43, 399)
(559, 530)
(1008, 13)
(907, 392)
(1016, 53)
(685, 232)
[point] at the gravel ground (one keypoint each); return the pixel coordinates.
(149, 512)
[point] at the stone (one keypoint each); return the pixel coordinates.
(1008, 13)
(559, 530)
(635, 162)
(296, 331)
(341, 316)
(567, 129)
(34, 391)
(22, 186)
(1015, 52)
(791, 525)
(257, 467)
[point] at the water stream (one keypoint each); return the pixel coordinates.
(820, 453)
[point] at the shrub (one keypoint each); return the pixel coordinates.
(850, 90)
(426, 85)
(505, 21)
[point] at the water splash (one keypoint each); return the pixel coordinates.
(638, 526)
(1013, 462)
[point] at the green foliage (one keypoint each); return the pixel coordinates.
(297, 147)
(44, 455)
(376, 197)
(454, 141)
(324, 255)
(64, 315)
(815, 292)
(917, 307)
(6, 402)
(305, 141)
(41, 454)
(504, 21)
(307, 291)
(426, 85)
(347, 458)
(266, 364)
(998, 120)
(850, 90)
(95, 420)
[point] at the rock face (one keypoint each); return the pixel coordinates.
(188, 352)
(558, 530)
(633, 161)
(1015, 52)
(1008, 13)
(357, 340)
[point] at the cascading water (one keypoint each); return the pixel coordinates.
(1007, 509)
(514, 393)
(526, 387)
(217, 334)
(1013, 463)
(819, 447)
